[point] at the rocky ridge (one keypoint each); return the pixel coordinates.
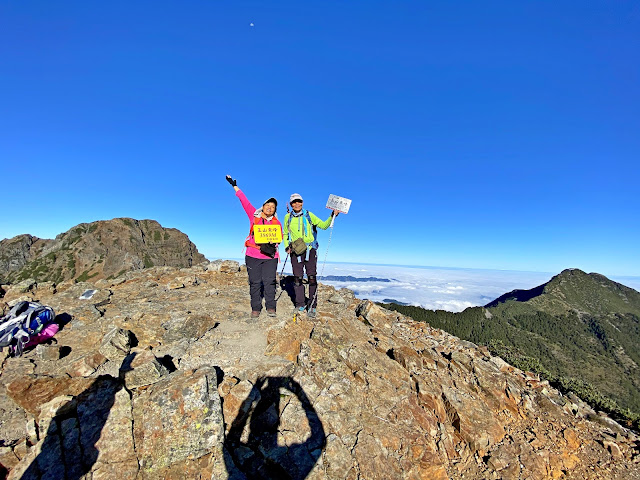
(159, 373)
(575, 290)
(587, 327)
(16, 252)
(92, 251)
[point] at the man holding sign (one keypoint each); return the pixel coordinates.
(300, 241)
(265, 233)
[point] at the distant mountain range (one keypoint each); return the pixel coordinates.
(102, 249)
(582, 331)
(349, 278)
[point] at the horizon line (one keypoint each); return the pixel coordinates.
(435, 267)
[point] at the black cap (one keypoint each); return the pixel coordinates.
(271, 200)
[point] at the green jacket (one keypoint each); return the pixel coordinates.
(299, 226)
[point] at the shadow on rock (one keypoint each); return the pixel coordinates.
(266, 451)
(68, 450)
(62, 319)
(287, 285)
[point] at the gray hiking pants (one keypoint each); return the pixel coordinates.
(308, 262)
(262, 282)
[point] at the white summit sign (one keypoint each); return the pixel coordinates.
(339, 204)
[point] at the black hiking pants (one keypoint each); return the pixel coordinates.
(308, 262)
(262, 282)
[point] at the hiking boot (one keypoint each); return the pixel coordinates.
(255, 315)
(312, 313)
(271, 312)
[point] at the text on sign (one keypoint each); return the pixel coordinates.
(267, 233)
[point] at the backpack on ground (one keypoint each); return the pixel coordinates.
(24, 320)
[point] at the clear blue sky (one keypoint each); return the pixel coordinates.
(468, 134)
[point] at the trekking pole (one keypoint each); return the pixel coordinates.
(282, 271)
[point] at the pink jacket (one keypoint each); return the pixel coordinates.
(250, 211)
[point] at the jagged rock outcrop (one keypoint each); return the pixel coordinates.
(92, 251)
(359, 393)
(17, 252)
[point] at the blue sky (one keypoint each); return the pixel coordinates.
(499, 135)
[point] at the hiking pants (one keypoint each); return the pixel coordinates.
(262, 280)
(308, 262)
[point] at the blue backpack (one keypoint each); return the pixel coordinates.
(24, 320)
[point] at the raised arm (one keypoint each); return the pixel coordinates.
(319, 223)
(246, 204)
(232, 182)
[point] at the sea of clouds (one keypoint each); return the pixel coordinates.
(435, 288)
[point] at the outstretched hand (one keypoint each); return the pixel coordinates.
(231, 181)
(334, 213)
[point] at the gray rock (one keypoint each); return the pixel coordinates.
(214, 266)
(15, 301)
(116, 344)
(178, 419)
(337, 299)
(229, 266)
(8, 459)
(346, 293)
(48, 352)
(24, 286)
(145, 369)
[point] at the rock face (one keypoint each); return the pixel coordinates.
(16, 252)
(103, 249)
(150, 381)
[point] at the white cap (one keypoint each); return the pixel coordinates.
(295, 196)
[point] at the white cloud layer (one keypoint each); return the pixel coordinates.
(452, 289)
(435, 288)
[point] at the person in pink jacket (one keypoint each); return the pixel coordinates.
(261, 258)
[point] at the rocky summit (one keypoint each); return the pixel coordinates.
(92, 251)
(160, 373)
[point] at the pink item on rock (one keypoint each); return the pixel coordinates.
(47, 332)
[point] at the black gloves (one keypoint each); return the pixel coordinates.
(231, 181)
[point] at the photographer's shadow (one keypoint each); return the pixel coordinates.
(258, 455)
(68, 450)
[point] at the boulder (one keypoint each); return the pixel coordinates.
(143, 369)
(116, 344)
(229, 266)
(337, 299)
(31, 392)
(177, 421)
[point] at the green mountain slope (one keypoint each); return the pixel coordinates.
(580, 330)
(102, 249)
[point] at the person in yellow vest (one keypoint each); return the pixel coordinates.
(261, 259)
(301, 243)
